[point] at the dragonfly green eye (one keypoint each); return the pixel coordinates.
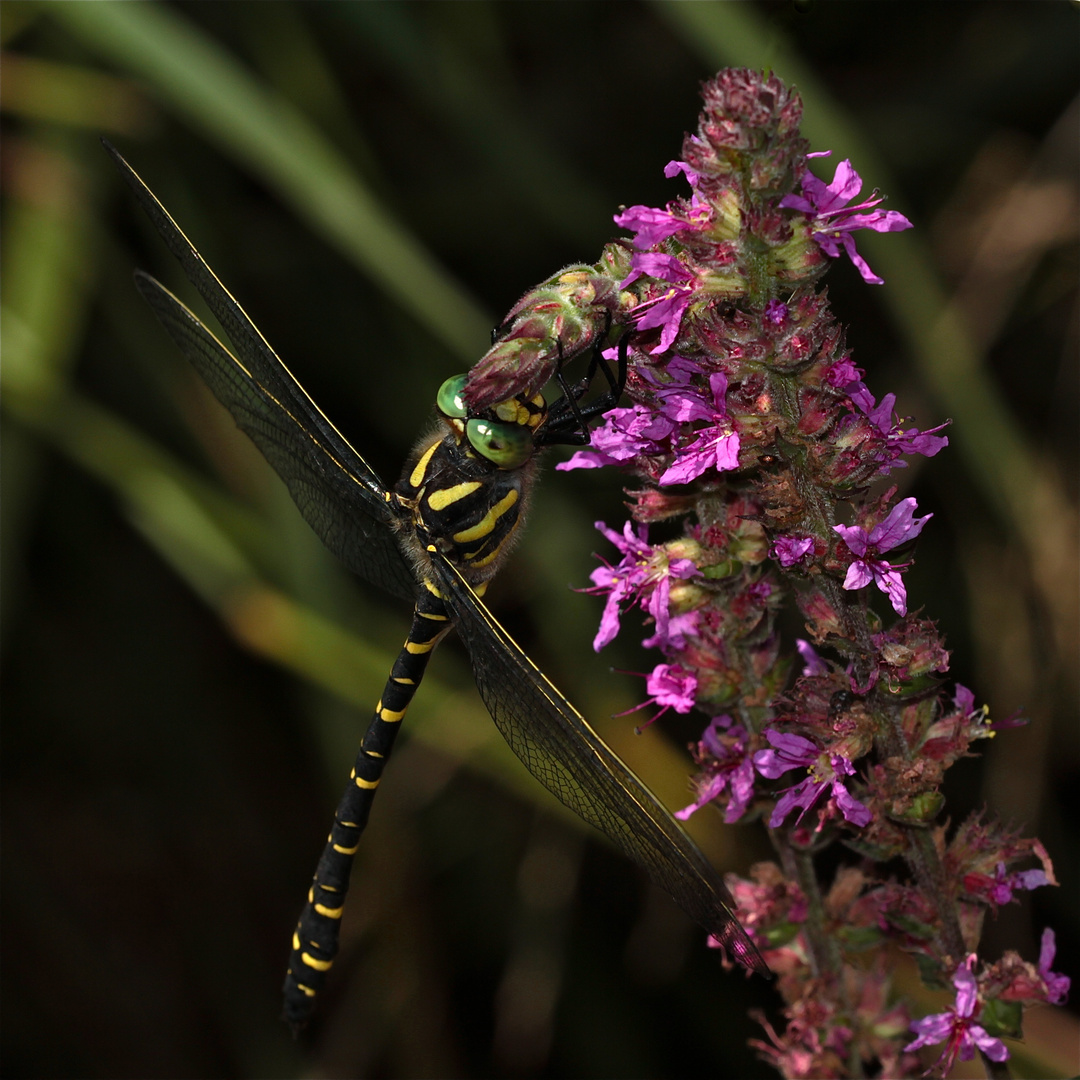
(449, 400)
(505, 445)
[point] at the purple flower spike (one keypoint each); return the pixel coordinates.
(833, 221)
(900, 526)
(956, 1027)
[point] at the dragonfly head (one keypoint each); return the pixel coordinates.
(502, 434)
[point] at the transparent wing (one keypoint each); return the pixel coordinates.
(557, 745)
(339, 494)
(340, 505)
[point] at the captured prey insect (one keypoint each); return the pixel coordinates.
(435, 538)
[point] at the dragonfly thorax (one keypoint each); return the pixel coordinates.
(466, 488)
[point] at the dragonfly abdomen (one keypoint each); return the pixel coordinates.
(315, 940)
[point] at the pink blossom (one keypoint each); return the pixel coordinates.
(899, 440)
(789, 550)
(832, 221)
(866, 544)
(813, 664)
(724, 744)
(791, 751)
(776, 311)
(671, 687)
(626, 433)
(665, 311)
(1057, 986)
(643, 575)
(716, 446)
(956, 1027)
(652, 226)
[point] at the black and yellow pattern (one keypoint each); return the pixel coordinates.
(436, 538)
(315, 940)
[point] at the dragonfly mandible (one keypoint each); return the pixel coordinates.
(436, 538)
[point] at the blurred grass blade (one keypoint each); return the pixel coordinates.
(68, 94)
(262, 130)
(476, 96)
(48, 243)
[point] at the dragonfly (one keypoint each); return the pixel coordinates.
(436, 539)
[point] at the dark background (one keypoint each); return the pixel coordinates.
(186, 671)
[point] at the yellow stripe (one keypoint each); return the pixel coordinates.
(444, 497)
(389, 716)
(487, 523)
(432, 616)
(366, 785)
(305, 989)
(417, 648)
(418, 473)
(329, 912)
(476, 564)
(346, 850)
(403, 681)
(427, 583)
(295, 940)
(318, 965)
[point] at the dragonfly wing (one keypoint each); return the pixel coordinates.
(557, 745)
(333, 487)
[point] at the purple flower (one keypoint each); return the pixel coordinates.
(832, 221)
(652, 226)
(729, 766)
(671, 687)
(1004, 884)
(898, 439)
(643, 575)
(673, 168)
(672, 631)
(964, 700)
(626, 433)
(788, 550)
(814, 665)
(792, 751)
(716, 446)
(1057, 986)
(843, 373)
(866, 544)
(956, 1027)
(649, 225)
(664, 311)
(776, 311)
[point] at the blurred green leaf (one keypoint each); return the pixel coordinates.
(257, 127)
